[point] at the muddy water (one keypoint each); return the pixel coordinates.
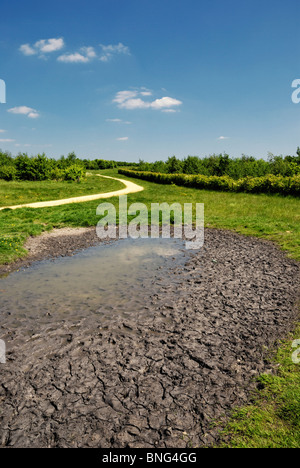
(107, 283)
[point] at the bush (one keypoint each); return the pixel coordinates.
(75, 172)
(34, 168)
(8, 172)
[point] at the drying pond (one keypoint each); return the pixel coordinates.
(140, 344)
(107, 283)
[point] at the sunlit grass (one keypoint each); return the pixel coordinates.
(21, 192)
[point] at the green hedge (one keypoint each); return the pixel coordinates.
(266, 184)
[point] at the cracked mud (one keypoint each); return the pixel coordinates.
(159, 380)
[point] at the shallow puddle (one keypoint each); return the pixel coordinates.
(107, 282)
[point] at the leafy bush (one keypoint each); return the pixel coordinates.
(75, 172)
(6, 159)
(57, 174)
(35, 168)
(8, 172)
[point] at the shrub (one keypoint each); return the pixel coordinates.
(74, 172)
(8, 172)
(34, 168)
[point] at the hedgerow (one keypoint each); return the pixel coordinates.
(266, 184)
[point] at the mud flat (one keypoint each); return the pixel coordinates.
(158, 379)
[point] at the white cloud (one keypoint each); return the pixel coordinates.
(49, 45)
(24, 110)
(223, 138)
(122, 139)
(44, 46)
(83, 55)
(165, 102)
(120, 121)
(123, 96)
(6, 140)
(73, 58)
(131, 100)
(26, 49)
(169, 111)
(108, 51)
(89, 52)
(2, 131)
(33, 115)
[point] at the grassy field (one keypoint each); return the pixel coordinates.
(273, 419)
(20, 192)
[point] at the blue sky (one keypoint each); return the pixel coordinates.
(130, 79)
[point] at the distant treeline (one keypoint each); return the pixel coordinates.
(41, 167)
(222, 165)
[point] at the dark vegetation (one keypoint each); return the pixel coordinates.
(278, 174)
(222, 165)
(41, 167)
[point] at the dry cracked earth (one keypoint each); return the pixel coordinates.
(161, 381)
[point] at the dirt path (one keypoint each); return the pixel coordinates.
(130, 188)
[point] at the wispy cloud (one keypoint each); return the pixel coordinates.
(24, 110)
(119, 121)
(73, 58)
(6, 140)
(133, 100)
(122, 139)
(83, 55)
(108, 51)
(223, 138)
(43, 46)
(2, 131)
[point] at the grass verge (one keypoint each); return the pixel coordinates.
(21, 192)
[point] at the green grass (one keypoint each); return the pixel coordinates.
(273, 418)
(269, 216)
(21, 192)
